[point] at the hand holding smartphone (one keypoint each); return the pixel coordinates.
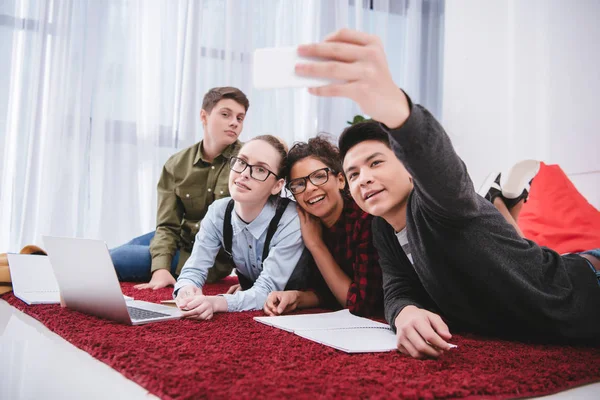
(274, 68)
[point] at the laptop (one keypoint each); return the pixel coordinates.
(88, 283)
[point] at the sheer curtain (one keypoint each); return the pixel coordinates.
(96, 95)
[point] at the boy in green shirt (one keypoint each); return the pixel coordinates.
(190, 181)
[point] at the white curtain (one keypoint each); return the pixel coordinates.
(96, 94)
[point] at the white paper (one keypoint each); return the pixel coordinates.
(354, 340)
(342, 319)
(340, 330)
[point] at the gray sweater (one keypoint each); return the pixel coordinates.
(470, 265)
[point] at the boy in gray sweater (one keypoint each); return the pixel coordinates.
(444, 250)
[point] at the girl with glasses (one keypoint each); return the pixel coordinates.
(255, 182)
(336, 232)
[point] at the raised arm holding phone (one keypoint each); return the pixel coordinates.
(448, 257)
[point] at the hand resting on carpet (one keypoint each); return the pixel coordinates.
(422, 333)
(161, 278)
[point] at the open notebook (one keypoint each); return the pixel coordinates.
(340, 330)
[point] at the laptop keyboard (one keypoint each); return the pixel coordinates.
(141, 314)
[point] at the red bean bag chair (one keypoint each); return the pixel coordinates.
(557, 216)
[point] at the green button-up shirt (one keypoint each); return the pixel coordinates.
(187, 186)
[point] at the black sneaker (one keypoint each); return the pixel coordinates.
(491, 187)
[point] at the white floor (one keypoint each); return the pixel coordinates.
(35, 363)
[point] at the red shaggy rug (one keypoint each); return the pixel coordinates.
(234, 356)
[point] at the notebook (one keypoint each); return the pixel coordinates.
(340, 330)
(33, 279)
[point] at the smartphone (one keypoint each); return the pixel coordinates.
(274, 68)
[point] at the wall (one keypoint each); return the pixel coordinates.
(521, 81)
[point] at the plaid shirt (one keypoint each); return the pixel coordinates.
(351, 244)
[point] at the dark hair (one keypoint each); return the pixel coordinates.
(279, 146)
(318, 147)
(214, 95)
(360, 132)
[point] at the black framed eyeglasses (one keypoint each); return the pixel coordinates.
(317, 178)
(257, 172)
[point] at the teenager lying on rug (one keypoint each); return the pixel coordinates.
(190, 181)
(444, 250)
(509, 191)
(337, 233)
(264, 257)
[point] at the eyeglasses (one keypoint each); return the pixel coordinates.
(256, 171)
(317, 178)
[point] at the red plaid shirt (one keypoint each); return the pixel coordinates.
(351, 244)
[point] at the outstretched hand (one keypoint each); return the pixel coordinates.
(357, 61)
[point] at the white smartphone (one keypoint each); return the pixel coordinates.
(275, 68)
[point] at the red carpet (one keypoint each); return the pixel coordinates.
(232, 355)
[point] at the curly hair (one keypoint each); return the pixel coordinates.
(318, 147)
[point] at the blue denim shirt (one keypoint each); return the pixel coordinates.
(247, 248)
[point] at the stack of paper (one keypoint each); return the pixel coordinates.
(340, 330)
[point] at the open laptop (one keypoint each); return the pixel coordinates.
(88, 283)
